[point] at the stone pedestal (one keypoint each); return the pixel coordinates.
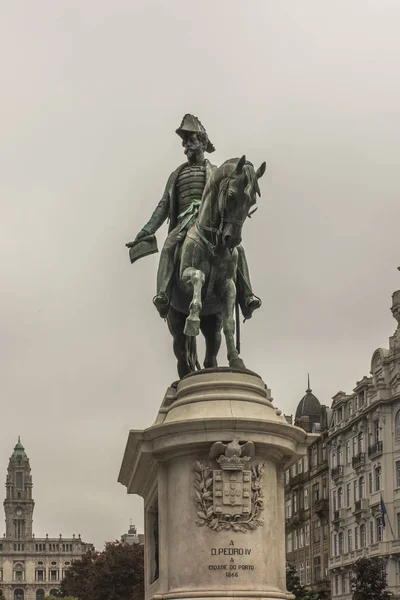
(211, 472)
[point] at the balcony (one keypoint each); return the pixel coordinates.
(360, 508)
(338, 516)
(321, 507)
(358, 460)
(337, 472)
(297, 479)
(375, 450)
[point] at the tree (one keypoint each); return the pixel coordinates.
(294, 586)
(368, 581)
(117, 573)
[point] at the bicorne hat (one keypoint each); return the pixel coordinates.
(143, 247)
(191, 124)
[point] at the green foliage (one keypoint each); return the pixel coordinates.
(294, 586)
(117, 573)
(369, 580)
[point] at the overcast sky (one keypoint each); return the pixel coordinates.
(92, 92)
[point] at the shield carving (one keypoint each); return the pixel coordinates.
(232, 492)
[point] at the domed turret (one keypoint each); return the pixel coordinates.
(308, 411)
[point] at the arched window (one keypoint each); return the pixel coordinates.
(397, 424)
(341, 547)
(361, 488)
(340, 497)
(39, 594)
(54, 593)
(18, 594)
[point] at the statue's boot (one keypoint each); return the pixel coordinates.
(251, 303)
(161, 302)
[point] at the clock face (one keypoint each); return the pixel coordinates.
(18, 512)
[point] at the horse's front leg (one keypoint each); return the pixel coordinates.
(195, 278)
(228, 324)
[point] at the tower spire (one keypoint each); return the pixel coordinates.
(308, 383)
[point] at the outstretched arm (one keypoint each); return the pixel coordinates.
(159, 215)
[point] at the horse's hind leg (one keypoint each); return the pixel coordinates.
(211, 329)
(195, 278)
(228, 323)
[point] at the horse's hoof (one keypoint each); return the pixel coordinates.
(237, 363)
(192, 327)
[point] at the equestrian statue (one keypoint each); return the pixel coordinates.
(203, 272)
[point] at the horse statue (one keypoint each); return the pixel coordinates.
(203, 294)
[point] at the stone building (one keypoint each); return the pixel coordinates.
(364, 454)
(306, 501)
(30, 568)
(132, 537)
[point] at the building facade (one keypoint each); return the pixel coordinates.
(364, 456)
(306, 501)
(132, 536)
(30, 568)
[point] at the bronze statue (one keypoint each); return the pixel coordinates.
(192, 202)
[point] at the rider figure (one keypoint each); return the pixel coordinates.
(180, 203)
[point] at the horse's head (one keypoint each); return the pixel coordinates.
(238, 191)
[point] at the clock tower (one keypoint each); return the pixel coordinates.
(18, 505)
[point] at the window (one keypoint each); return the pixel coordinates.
(371, 532)
(53, 592)
(289, 542)
(339, 455)
(40, 547)
(1, 547)
(350, 407)
(315, 489)
(18, 575)
(361, 398)
(314, 456)
(348, 457)
(307, 534)
(305, 464)
(301, 573)
(317, 568)
(333, 459)
(53, 575)
(301, 544)
(363, 540)
(370, 483)
(397, 473)
(18, 594)
(308, 572)
(295, 540)
(343, 584)
(379, 530)
(361, 441)
(349, 541)
(348, 494)
(1, 574)
(355, 485)
(324, 489)
(355, 446)
(306, 499)
(377, 478)
(337, 585)
(356, 538)
(300, 466)
(288, 509)
(334, 501)
(295, 503)
(377, 431)
(18, 480)
(287, 477)
(341, 545)
(40, 595)
(317, 530)
(361, 488)
(335, 544)
(40, 575)
(397, 424)
(340, 497)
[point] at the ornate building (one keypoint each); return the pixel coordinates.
(364, 449)
(30, 568)
(306, 501)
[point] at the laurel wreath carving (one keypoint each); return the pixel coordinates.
(204, 501)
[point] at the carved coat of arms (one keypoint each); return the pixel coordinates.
(229, 497)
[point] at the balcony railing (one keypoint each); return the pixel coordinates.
(360, 506)
(337, 472)
(358, 460)
(321, 506)
(375, 449)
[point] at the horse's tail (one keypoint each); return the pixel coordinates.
(191, 353)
